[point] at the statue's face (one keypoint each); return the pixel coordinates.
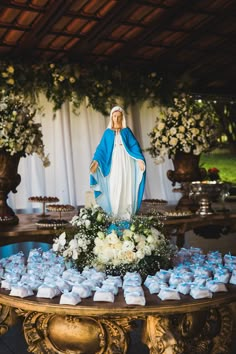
(117, 118)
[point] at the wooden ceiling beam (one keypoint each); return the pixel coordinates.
(30, 40)
(160, 24)
(185, 44)
(6, 4)
(104, 27)
(204, 59)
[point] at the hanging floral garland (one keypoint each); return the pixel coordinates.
(101, 84)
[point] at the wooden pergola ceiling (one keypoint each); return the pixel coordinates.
(196, 38)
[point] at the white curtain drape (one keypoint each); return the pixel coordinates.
(71, 139)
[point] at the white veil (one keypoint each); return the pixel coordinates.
(114, 109)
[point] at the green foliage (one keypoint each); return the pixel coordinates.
(101, 84)
(224, 161)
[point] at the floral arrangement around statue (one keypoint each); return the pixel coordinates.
(113, 245)
(19, 134)
(189, 125)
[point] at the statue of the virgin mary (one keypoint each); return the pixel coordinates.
(118, 169)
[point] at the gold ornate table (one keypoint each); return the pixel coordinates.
(185, 326)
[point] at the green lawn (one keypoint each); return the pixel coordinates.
(224, 161)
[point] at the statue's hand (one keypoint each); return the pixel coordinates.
(93, 166)
(141, 165)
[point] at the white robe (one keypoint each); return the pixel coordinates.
(122, 186)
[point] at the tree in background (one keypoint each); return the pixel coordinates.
(227, 114)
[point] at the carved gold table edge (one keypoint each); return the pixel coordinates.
(104, 308)
(197, 326)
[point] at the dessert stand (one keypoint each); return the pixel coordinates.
(55, 222)
(60, 208)
(44, 200)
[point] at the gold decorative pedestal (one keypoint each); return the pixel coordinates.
(186, 170)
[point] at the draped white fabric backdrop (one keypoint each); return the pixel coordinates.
(71, 139)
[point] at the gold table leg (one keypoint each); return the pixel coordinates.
(8, 318)
(204, 332)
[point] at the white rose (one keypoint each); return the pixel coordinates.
(117, 246)
(107, 254)
(157, 134)
(137, 238)
(195, 131)
(98, 242)
(62, 239)
(164, 139)
(96, 250)
(180, 136)
(176, 114)
(127, 234)
(129, 257)
(187, 148)
(160, 126)
(67, 253)
(197, 150)
(87, 224)
(173, 131)
(147, 250)
(116, 262)
(191, 121)
(173, 141)
(112, 237)
(140, 254)
(75, 254)
(56, 246)
(150, 239)
(128, 246)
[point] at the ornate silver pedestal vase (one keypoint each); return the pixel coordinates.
(205, 193)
